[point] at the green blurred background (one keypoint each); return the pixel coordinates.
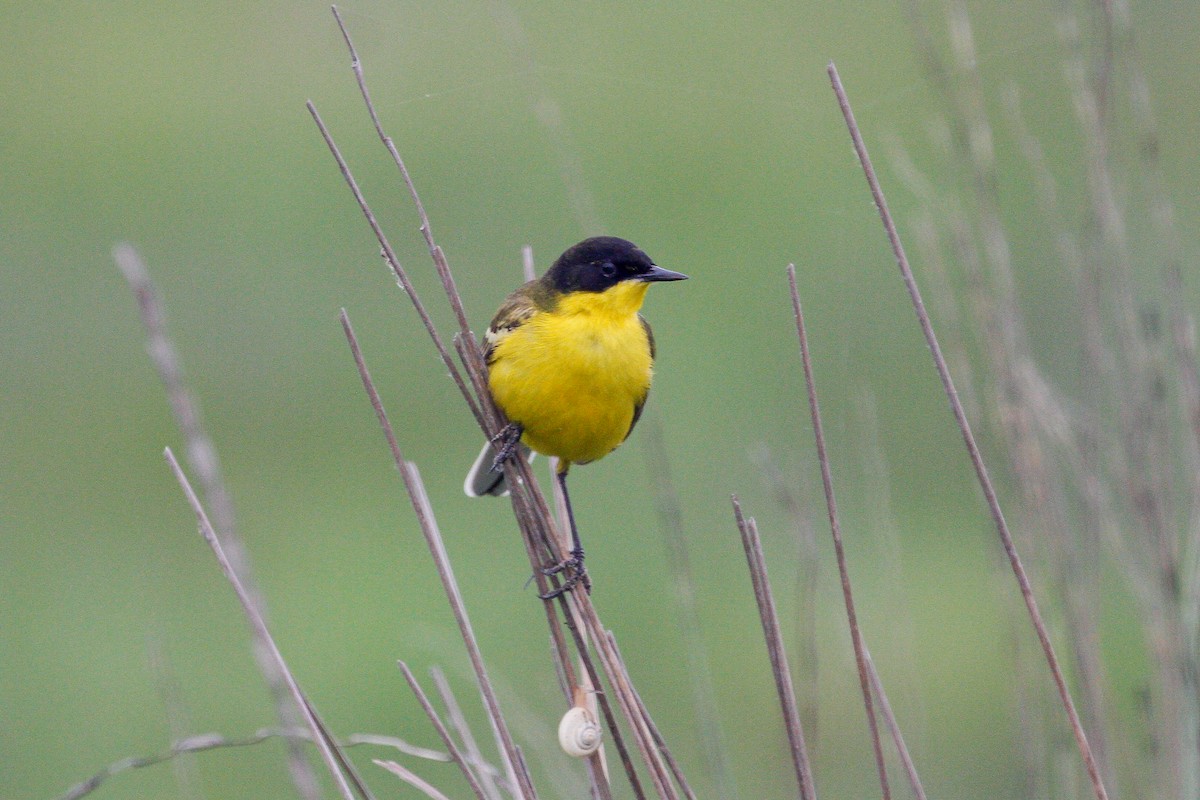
(706, 133)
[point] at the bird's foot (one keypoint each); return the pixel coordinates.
(575, 572)
(507, 442)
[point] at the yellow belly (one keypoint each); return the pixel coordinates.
(573, 381)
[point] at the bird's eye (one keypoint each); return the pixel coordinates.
(608, 269)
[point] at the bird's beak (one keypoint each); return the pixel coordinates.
(657, 273)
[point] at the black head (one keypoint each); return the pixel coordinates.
(602, 262)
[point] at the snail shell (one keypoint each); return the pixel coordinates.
(578, 733)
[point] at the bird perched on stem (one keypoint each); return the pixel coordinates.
(570, 361)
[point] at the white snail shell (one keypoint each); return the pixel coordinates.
(578, 733)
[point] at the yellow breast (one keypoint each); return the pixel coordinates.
(574, 376)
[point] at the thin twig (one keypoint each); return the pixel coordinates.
(324, 746)
(572, 619)
(411, 778)
(202, 457)
(835, 528)
(889, 719)
(776, 652)
(439, 258)
(394, 263)
(420, 503)
(455, 754)
(458, 722)
(805, 617)
(964, 426)
(204, 742)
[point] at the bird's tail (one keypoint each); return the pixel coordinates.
(481, 480)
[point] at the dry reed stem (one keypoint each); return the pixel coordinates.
(471, 751)
(805, 618)
(1029, 411)
(334, 760)
(889, 719)
(968, 437)
(201, 455)
(412, 779)
(835, 529)
(776, 652)
(439, 726)
(439, 258)
(420, 503)
(394, 263)
(203, 742)
(620, 682)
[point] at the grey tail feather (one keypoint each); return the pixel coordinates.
(482, 481)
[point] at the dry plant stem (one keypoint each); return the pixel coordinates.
(199, 448)
(570, 616)
(518, 774)
(641, 733)
(805, 619)
(623, 686)
(324, 746)
(202, 457)
(889, 719)
(586, 680)
(439, 259)
(204, 742)
(835, 528)
(580, 607)
(472, 753)
(412, 779)
(394, 263)
(776, 653)
(420, 503)
(964, 426)
(455, 754)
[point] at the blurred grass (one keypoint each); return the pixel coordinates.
(707, 134)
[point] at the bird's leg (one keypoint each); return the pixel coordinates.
(507, 441)
(573, 566)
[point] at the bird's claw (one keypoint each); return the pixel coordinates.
(575, 572)
(508, 440)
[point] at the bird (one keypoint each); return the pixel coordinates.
(570, 360)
